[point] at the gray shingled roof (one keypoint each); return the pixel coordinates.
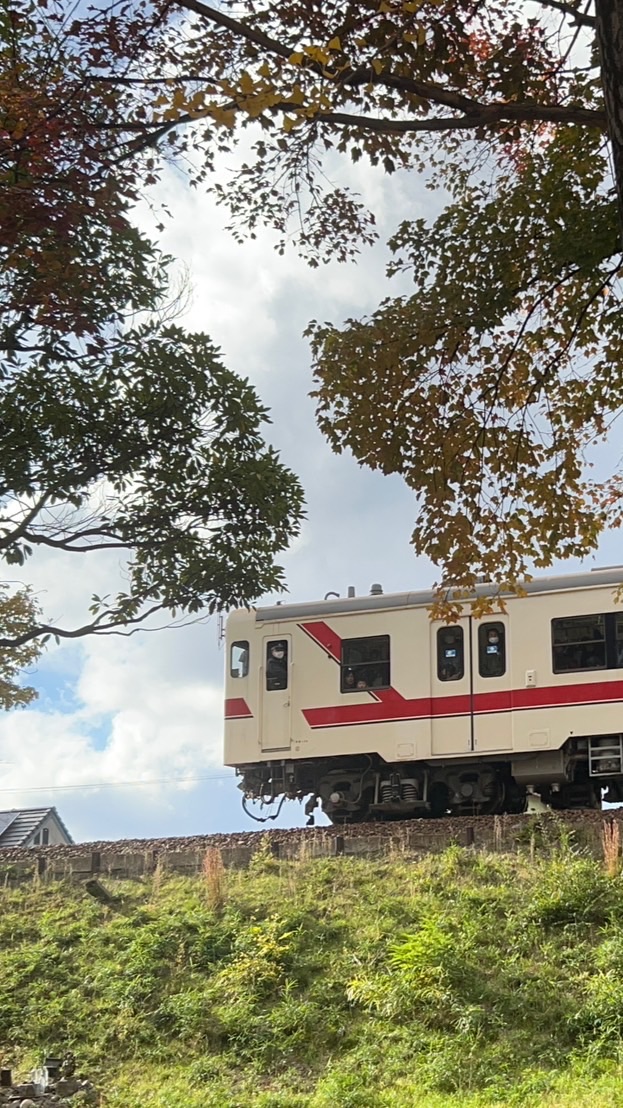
(6, 818)
(17, 826)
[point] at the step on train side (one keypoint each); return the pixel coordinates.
(366, 706)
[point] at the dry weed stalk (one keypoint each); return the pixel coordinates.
(611, 846)
(304, 849)
(214, 878)
(157, 877)
(497, 833)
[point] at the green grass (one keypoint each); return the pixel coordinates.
(458, 979)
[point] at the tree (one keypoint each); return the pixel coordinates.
(18, 613)
(488, 387)
(120, 431)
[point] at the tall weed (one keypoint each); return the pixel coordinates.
(213, 872)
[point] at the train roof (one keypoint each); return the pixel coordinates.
(611, 575)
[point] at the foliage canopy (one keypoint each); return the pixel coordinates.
(488, 387)
(19, 612)
(121, 432)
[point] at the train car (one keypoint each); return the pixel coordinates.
(367, 706)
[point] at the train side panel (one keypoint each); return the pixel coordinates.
(324, 722)
(548, 707)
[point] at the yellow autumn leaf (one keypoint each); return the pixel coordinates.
(296, 58)
(377, 65)
(225, 116)
(317, 54)
(335, 44)
(247, 84)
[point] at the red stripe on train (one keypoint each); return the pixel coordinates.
(237, 708)
(390, 707)
(322, 634)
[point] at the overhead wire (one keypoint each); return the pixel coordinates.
(115, 784)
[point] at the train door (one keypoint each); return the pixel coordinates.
(491, 669)
(451, 688)
(275, 693)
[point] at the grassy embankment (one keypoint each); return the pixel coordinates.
(458, 979)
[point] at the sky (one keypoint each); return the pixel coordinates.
(126, 736)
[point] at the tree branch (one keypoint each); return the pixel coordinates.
(66, 543)
(250, 33)
(437, 93)
(582, 18)
(20, 530)
(487, 115)
(96, 627)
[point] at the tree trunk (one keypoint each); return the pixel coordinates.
(609, 21)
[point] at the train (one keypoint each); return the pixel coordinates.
(371, 709)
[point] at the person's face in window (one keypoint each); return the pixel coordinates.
(349, 680)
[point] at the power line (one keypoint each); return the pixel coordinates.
(116, 784)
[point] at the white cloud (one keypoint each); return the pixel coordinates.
(140, 713)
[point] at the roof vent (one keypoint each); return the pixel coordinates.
(376, 589)
(351, 592)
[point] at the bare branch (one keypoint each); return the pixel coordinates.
(96, 627)
(67, 543)
(20, 531)
(250, 33)
(581, 18)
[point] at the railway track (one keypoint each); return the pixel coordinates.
(420, 834)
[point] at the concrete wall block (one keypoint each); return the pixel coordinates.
(185, 861)
(131, 864)
(236, 857)
(368, 846)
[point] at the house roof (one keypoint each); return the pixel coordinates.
(18, 825)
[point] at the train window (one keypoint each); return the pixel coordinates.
(276, 665)
(365, 664)
(491, 650)
(450, 654)
(239, 659)
(618, 641)
(578, 642)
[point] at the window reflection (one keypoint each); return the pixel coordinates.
(239, 659)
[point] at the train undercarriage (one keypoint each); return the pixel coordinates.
(353, 789)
